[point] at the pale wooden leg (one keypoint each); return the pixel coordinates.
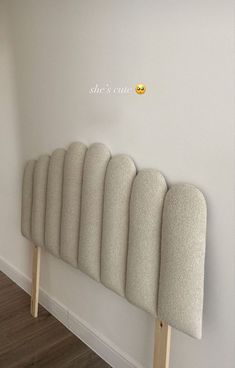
(35, 281)
(162, 345)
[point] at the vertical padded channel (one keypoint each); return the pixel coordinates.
(96, 161)
(72, 186)
(180, 299)
(39, 200)
(27, 199)
(146, 206)
(54, 202)
(118, 182)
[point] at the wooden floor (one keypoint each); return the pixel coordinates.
(42, 342)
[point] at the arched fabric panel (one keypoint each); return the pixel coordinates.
(71, 202)
(54, 202)
(121, 228)
(96, 161)
(143, 263)
(118, 183)
(182, 259)
(27, 199)
(39, 200)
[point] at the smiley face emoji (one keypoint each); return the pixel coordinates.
(140, 89)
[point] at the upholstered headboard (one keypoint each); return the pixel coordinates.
(121, 227)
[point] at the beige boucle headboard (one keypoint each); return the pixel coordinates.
(121, 227)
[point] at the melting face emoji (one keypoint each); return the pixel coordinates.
(140, 89)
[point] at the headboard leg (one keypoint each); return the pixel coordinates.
(35, 281)
(162, 345)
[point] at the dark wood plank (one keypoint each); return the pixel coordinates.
(42, 342)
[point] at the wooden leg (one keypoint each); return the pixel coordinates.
(35, 281)
(162, 345)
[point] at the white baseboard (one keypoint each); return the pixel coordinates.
(98, 343)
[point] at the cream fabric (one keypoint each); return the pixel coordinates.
(71, 202)
(39, 200)
(97, 214)
(96, 161)
(27, 199)
(54, 202)
(182, 259)
(143, 263)
(119, 178)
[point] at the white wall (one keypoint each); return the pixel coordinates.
(11, 162)
(183, 126)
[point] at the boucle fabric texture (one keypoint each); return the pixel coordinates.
(121, 228)
(147, 196)
(39, 200)
(95, 166)
(182, 259)
(71, 202)
(119, 178)
(27, 199)
(54, 202)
